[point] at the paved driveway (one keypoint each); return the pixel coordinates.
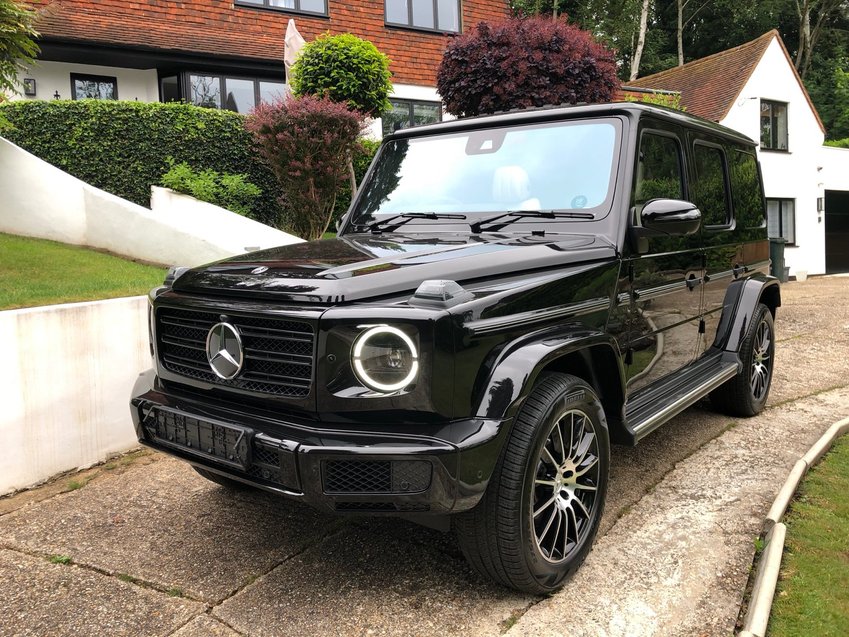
(157, 550)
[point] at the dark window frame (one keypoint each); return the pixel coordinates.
(781, 233)
(726, 176)
(185, 83)
(774, 142)
(410, 104)
(266, 5)
(435, 29)
(86, 77)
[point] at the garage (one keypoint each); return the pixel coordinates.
(836, 231)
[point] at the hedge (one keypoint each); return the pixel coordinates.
(123, 147)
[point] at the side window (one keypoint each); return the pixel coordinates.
(746, 193)
(659, 169)
(710, 191)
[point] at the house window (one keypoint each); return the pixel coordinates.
(781, 219)
(317, 7)
(407, 113)
(773, 125)
(94, 87)
(432, 15)
(231, 93)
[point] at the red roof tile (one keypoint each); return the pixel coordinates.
(710, 86)
(218, 28)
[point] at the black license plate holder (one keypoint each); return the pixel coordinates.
(222, 443)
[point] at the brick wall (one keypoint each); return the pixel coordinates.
(218, 28)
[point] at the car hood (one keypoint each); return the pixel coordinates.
(355, 267)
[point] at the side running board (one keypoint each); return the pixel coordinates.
(650, 408)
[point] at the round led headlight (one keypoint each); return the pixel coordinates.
(385, 359)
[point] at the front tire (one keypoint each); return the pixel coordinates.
(746, 393)
(539, 516)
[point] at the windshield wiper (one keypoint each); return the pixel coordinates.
(512, 215)
(392, 223)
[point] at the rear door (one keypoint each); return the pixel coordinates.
(710, 190)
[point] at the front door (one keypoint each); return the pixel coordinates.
(666, 278)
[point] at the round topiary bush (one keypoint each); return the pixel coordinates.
(345, 69)
(524, 63)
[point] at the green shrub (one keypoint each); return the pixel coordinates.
(308, 142)
(838, 143)
(345, 69)
(233, 192)
(123, 147)
(672, 101)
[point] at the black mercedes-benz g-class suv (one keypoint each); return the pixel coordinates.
(506, 296)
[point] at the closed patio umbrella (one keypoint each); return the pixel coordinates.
(294, 42)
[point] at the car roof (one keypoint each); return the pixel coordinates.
(632, 110)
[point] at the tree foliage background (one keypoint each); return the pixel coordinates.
(17, 41)
(816, 33)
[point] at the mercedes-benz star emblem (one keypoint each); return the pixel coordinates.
(224, 351)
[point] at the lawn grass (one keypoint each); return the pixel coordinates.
(812, 597)
(38, 272)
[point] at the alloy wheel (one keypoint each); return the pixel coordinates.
(563, 502)
(761, 361)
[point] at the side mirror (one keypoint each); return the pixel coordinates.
(671, 216)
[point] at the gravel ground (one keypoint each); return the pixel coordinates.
(157, 550)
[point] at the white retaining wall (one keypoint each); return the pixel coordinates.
(66, 378)
(39, 200)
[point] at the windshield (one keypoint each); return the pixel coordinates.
(561, 166)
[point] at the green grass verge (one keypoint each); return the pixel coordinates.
(39, 272)
(812, 597)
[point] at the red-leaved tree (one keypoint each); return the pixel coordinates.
(524, 63)
(307, 142)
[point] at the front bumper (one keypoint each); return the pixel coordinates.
(337, 468)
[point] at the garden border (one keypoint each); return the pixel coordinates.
(774, 532)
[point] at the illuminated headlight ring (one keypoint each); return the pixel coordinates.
(362, 373)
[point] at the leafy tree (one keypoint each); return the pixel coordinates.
(17, 45)
(307, 141)
(346, 69)
(522, 63)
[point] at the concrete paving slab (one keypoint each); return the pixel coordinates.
(364, 581)
(678, 562)
(164, 524)
(205, 626)
(40, 598)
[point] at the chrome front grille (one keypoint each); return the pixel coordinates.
(278, 351)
